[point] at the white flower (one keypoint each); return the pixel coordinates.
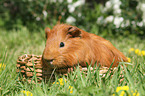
(122, 25)
(108, 4)
(143, 20)
(38, 18)
(117, 11)
(125, 23)
(53, 1)
(69, 1)
(79, 2)
(30, 0)
(140, 24)
(44, 13)
(60, 1)
(133, 23)
(79, 14)
(143, 6)
(63, 13)
(118, 2)
(99, 19)
(116, 6)
(71, 8)
(70, 20)
(118, 21)
(113, 5)
(109, 19)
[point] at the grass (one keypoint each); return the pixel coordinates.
(16, 43)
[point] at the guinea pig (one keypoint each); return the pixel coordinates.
(68, 46)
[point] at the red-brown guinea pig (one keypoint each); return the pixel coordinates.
(68, 46)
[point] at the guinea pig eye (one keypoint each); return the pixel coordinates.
(61, 44)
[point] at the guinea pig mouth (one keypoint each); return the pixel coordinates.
(49, 62)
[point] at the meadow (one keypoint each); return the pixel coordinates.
(15, 43)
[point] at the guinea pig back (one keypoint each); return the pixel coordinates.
(68, 46)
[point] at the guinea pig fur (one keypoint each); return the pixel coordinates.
(68, 46)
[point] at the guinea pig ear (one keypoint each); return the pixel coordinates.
(47, 30)
(74, 32)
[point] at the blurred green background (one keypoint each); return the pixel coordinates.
(103, 17)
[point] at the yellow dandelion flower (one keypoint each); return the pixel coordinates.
(2, 66)
(118, 89)
(131, 49)
(125, 88)
(143, 53)
(27, 93)
(71, 89)
(122, 88)
(60, 81)
(129, 60)
(57, 82)
(137, 51)
(135, 93)
(122, 93)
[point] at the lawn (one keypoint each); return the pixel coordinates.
(16, 43)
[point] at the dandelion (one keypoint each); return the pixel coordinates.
(60, 81)
(129, 60)
(131, 49)
(27, 93)
(122, 88)
(138, 52)
(125, 89)
(135, 93)
(2, 66)
(143, 53)
(71, 89)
